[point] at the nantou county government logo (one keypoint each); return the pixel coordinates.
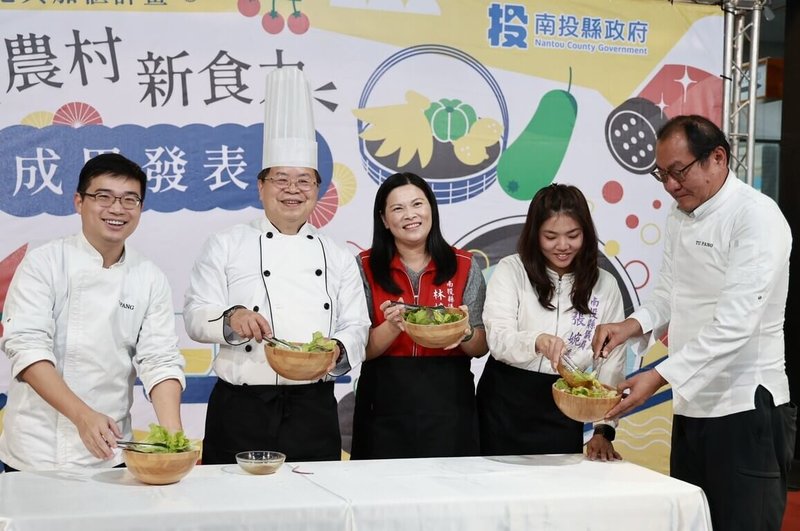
(510, 26)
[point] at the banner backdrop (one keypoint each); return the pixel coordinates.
(489, 101)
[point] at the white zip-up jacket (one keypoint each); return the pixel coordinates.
(99, 327)
(514, 319)
(722, 288)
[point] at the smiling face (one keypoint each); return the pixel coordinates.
(107, 228)
(288, 208)
(407, 215)
(560, 239)
(701, 181)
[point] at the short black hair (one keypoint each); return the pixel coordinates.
(702, 135)
(112, 164)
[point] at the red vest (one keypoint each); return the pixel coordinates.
(449, 293)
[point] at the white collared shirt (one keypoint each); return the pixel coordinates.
(99, 327)
(722, 289)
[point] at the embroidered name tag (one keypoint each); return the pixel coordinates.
(126, 306)
(703, 244)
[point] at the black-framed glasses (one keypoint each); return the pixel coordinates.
(105, 200)
(679, 175)
(282, 183)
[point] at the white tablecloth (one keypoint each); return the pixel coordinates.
(527, 492)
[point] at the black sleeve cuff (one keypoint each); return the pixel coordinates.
(606, 431)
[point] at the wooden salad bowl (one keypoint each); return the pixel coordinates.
(584, 408)
(160, 468)
(296, 364)
(438, 335)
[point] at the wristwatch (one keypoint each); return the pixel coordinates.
(606, 431)
(226, 315)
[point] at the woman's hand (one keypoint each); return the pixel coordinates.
(468, 332)
(551, 347)
(393, 314)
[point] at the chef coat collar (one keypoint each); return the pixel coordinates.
(265, 225)
(95, 255)
(716, 200)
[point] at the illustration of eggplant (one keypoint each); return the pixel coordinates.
(631, 134)
(532, 161)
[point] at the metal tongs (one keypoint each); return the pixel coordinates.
(280, 343)
(134, 445)
(569, 370)
(416, 306)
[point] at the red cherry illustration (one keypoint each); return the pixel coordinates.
(298, 23)
(272, 22)
(248, 8)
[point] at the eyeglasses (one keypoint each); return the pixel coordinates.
(679, 175)
(128, 202)
(282, 183)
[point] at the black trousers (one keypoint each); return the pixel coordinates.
(518, 416)
(300, 421)
(741, 462)
(415, 407)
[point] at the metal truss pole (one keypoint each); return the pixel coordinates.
(742, 21)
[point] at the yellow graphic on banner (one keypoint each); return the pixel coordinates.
(645, 437)
(466, 25)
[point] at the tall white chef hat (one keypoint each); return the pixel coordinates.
(289, 135)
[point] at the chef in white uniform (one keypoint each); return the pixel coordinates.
(85, 315)
(277, 276)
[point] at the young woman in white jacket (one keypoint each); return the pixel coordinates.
(546, 299)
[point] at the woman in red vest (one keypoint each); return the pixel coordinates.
(413, 401)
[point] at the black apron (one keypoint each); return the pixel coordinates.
(415, 407)
(518, 416)
(300, 421)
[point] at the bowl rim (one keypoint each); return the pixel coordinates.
(279, 456)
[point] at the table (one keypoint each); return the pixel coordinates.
(470, 493)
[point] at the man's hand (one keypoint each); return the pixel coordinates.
(332, 365)
(249, 324)
(601, 449)
(608, 336)
(642, 386)
(99, 433)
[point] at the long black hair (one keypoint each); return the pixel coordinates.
(549, 201)
(383, 245)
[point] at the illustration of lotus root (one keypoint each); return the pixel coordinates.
(631, 134)
(471, 148)
(402, 127)
(450, 119)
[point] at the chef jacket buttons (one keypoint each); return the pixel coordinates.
(269, 235)
(326, 306)
(255, 308)
(318, 272)
(310, 237)
(248, 348)
(266, 272)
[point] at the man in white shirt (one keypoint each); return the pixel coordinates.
(84, 315)
(722, 289)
